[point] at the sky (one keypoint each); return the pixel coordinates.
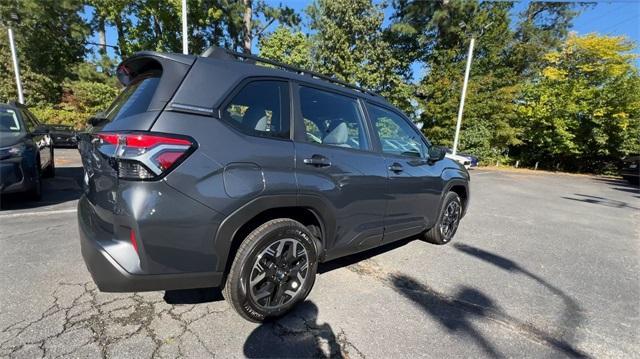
(609, 17)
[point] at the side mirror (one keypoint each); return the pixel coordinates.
(436, 153)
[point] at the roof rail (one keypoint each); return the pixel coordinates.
(221, 53)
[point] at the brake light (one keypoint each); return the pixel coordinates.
(132, 238)
(144, 156)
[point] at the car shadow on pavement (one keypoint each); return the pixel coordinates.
(66, 186)
(600, 200)
(359, 257)
(193, 296)
(571, 317)
(296, 335)
(619, 184)
(453, 313)
(457, 312)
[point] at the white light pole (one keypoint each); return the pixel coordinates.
(185, 39)
(464, 93)
(16, 65)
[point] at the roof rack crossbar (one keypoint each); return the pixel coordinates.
(218, 52)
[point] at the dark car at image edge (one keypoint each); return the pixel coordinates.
(26, 152)
(214, 171)
(631, 169)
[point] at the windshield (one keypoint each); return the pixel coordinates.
(9, 120)
(134, 99)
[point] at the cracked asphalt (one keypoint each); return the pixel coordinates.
(544, 265)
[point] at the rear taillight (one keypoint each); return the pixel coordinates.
(144, 155)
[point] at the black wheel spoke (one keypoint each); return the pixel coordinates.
(265, 292)
(278, 273)
(450, 220)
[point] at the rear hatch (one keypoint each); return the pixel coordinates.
(117, 145)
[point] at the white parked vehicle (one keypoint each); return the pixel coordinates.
(465, 161)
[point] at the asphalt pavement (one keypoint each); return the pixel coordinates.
(543, 265)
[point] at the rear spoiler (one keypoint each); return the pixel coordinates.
(145, 61)
(171, 67)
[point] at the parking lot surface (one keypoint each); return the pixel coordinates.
(543, 265)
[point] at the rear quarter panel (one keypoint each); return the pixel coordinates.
(229, 168)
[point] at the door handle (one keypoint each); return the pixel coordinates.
(396, 167)
(317, 161)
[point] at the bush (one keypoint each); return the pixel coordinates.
(62, 116)
(88, 96)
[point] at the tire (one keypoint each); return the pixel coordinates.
(50, 171)
(448, 220)
(35, 193)
(265, 280)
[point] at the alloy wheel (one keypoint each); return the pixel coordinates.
(279, 273)
(450, 220)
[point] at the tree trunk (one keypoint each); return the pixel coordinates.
(246, 46)
(122, 41)
(102, 37)
(157, 30)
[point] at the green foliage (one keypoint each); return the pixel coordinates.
(583, 112)
(90, 97)
(61, 115)
(50, 35)
(38, 89)
(536, 93)
(49, 38)
(156, 24)
(349, 43)
(437, 34)
(90, 92)
(288, 47)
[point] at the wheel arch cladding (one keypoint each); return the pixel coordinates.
(237, 226)
(456, 181)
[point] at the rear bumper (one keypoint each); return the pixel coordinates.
(111, 276)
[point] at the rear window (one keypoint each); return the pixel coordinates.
(135, 98)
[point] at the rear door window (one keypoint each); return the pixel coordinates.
(332, 119)
(260, 108)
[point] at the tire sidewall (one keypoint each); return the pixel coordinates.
(266, 237)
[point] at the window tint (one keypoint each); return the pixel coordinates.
(396, 135)
(135, 98)
(260, 108)
(332, 119)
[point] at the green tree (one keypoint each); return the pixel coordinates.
(156, 24)
(349, 43)
(583, 112)
(288, 47)
(50, 39)
(436, 35)
(542, 26)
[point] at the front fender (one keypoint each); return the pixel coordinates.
(456, 177)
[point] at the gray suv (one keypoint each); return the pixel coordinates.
(215, 171)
